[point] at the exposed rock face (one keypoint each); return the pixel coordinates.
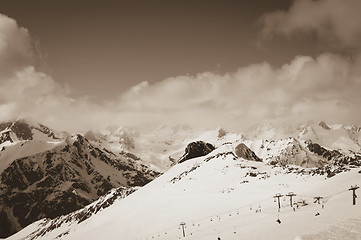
(62, 180)
(321, 151)
(336, 160)
(196, 149)
(221, 133)
(243, 151)
(5, 136)
(324, 125)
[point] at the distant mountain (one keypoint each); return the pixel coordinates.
(229, 193)
(156, 148)
(24, 130)
(45, 175)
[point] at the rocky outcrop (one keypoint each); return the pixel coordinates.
(324, 125)
(243, 151)
(221, 133)
(5, 136)
(323, 152)
(196, 149)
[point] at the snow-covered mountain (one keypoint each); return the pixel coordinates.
(158, 148)
(231, 192)
(48, 174)
(23, 138)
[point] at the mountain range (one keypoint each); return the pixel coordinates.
(45, 174)
(219, 184)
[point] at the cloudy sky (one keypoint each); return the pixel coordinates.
(76, 65)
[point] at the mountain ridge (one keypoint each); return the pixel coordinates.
(59, 178)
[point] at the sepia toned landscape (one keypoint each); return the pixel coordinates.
(159, 119)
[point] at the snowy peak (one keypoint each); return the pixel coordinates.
(23, 130)
(22, 138)
(336, 138)
(114, 139)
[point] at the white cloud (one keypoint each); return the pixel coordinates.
(16, 48)
(304, 89)
(337, 23)
(326, 87)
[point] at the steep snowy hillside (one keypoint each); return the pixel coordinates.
(44, 176)
(222, 195)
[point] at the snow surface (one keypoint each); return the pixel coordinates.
(19, 149)
(220, 195)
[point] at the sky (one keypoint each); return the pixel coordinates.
(78, 65)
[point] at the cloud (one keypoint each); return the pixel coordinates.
(16, 47)
(325, 87)
(302, 90)
(26, 92)
(337, 23)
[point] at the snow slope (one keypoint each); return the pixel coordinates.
(221, 195)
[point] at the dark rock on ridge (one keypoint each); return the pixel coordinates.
(243, 151)
(196, 149)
